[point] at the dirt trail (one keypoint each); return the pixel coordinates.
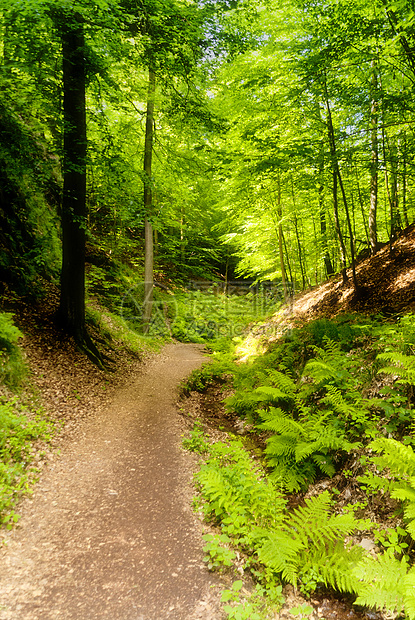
(109, 532)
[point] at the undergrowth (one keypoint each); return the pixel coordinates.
(19, 430)
(327, 395)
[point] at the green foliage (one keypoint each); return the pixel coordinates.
(291, 545)
(218, 554)
(400, 461)
(311, 541)
(383, 583)
(12, 367)
(18, 431)
(196, 442)
(261, 604)
(402, 366)
(210, 373)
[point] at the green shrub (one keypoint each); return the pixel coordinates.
(12, 367)
(17, 434)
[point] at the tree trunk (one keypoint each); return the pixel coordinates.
(148, 198)
(72, 299)
(336, 170)
(280, 242)
(71, 312)
(297, 235)
(404, 182)
(338, 229)
(322, 210)
(374, 164)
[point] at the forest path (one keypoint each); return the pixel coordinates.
(109, 532)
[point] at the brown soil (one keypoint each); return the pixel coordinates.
(386, 281)
(109, 532)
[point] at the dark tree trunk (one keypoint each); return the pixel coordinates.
(322, 211)
(71, 312)
(72, 300)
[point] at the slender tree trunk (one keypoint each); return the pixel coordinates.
(362, 207)
(300, 253)
(322, 207)
(148, 198)
(374, 163)
(404, 182)
(336, 169)
(280, 241)
(338, 229)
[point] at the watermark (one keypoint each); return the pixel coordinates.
(204, 311)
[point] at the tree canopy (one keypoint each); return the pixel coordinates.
(282, 140)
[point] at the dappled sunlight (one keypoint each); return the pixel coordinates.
(404, 280)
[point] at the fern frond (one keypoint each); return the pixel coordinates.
(314, 523)
(403, 365)
(279, 421)
(325, 464)
(381, 582)
(292, 477)
(409, 593)
(280, 553)
(284, 382)
(400, 459)
(280, 446)
(273, 393)
(334, 397)
(319, 370)
(333, 564)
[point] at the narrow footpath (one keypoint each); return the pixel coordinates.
(109, 532)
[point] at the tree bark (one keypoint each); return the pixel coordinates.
(71, 312)
(322, 211)
(336, 170)
(148, 199)
(374, 164)
(72, 299)
(280, 242)
(338, 229)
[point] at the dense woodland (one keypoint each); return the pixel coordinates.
(263, 140)
(147, 144)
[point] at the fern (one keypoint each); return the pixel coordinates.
(279, 421)
(409, 593)
(284, 382)
(312, 539)
(400, 460)
(334, 564)
(382, 582)
(299, 449)
(403, 366)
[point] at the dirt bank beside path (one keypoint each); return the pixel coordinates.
(109, 532)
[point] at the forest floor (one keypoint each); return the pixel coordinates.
(109, 531)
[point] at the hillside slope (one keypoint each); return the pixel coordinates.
(387, 283)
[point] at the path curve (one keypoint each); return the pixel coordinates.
(109, 532)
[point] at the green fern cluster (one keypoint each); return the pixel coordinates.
(310, 540)
(318, 419)
(288, 545)
(237, 494)
(385, 583)
(400, 461)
